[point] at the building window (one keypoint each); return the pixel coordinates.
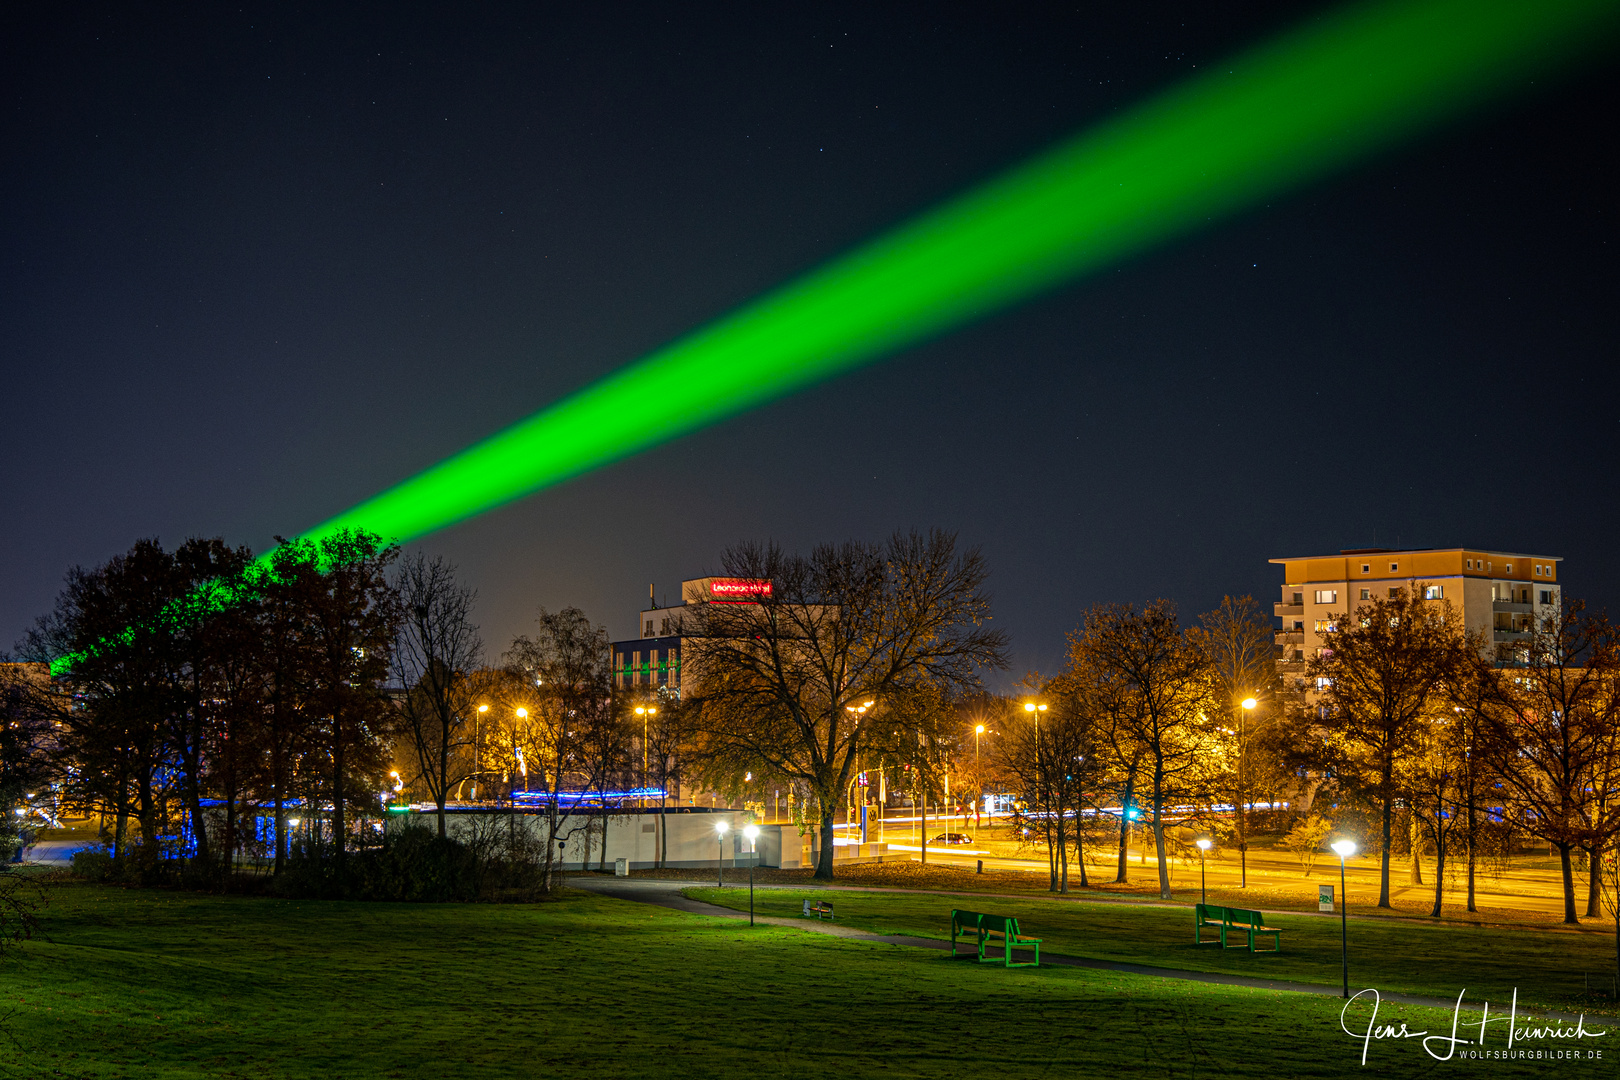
(1538, 569)
(1366, 568)
(1324, 626)
(1323, 682)
(1470, 564)
(1299, 598)
(1433, 592)
(1510, 568)
(1546, 596)
(1394, 594)
(1394, 566)
(1299, 626)
(648, 632)
(1327, 596)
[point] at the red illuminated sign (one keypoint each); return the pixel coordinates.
(738, 588)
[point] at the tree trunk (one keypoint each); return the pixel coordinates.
(1124, 833)
(1594, 878)
(1080, 851)
(1439, 873)
(1415, 841)
(922, 805)
(1569, 884)
(824, 859)
(340, 830)
(1158, 848)
(1383, 869)
(1473, 843)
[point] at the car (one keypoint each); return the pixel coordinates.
(952, 838)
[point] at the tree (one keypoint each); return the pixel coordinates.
(1239, 643)
(1383, 677)
(27, 706)
(563, 678)
(1549, 730)
(778, 680)
(437, 650)
(1161, 683)
(350, 619)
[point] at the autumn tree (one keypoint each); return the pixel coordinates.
(778, 680)
(1381, 677)
(1549, 729)
(1239, 643)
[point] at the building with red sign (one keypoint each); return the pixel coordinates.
(653, 659)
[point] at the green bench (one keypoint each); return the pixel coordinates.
(821, 909)
(1250, 925)
(981, 926)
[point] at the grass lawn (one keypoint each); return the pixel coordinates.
(1393, 955)
(167, 984)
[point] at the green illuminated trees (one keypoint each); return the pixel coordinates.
(779, 683)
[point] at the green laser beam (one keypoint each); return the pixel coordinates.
(1295, 109)
(1266, 121)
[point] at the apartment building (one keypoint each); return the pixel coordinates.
(1499, 593)
(654, 659)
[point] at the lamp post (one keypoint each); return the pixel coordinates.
(720, 828)
(646, 712)
(1204, 844)
(1035, 709)
(1344, 849)
(1243, 831)
(522, 714)
(751, 831)
(978, 775)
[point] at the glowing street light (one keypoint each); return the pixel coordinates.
(720, 828)
(1344, 849)
(1249, 703)
(751, 831)
(1204, 844)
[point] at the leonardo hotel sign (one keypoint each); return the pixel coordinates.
(737, 589)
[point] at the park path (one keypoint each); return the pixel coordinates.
(667, 894)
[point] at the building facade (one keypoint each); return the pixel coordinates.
(1499, 594)
(653, 659)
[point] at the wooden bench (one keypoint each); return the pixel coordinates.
(821, 909)
(1209, 917)
(983, 925)
(1253, 924)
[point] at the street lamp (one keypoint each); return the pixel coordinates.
(978, 730)
(1240, 810)
(646, 712)
(720, 828)
(477, 765)
(1204, 844)
(751, 831)
(1344, 849)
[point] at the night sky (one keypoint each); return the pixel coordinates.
(260, 263)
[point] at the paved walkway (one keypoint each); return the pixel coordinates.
(667, 894)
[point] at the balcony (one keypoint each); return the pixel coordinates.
(1499, 634)
(1291, 637)
(1283, 611)
(1510, 605)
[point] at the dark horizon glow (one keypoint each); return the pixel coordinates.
(1293, 110)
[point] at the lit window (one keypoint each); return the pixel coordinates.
(1366, 594)
(1327, 596)
(1324, 626)
(1433, 592)
(1323, 682)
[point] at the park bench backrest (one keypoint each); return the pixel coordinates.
(1209, 912)
(1240, 917)
(998, 924)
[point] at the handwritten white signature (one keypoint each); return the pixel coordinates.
(1531, 1030)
